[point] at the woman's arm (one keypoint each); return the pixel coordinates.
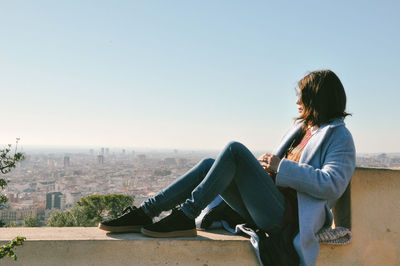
(328, 182)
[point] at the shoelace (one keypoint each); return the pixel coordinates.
(126, 210)
(176, 208)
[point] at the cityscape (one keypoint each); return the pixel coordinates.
(43, 183)
(48, 182)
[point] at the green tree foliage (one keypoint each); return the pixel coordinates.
(89, 211)
(61, 219)
(12, 224)
(30, 222)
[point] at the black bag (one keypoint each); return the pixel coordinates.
(276, 249)
(222, 212)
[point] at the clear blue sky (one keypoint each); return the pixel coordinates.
(191, 74)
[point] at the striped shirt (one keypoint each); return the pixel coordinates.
(294, 154)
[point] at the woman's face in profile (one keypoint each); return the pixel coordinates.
(300, 107)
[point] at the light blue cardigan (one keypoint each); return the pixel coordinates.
(320, 178)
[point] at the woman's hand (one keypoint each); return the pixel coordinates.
(270, 162)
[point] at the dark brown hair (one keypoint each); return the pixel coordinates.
(323, 98)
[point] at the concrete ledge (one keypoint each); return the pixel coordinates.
(91, 246)
(375, 213)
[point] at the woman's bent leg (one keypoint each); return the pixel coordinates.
(263, 201)
(251, 197)
(232, 197)
(178, 191)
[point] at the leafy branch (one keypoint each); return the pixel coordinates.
(8, 162)
(7, 249)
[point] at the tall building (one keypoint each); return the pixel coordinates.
(107, 150)
(66, 161)
(53, 200)
(100, 159)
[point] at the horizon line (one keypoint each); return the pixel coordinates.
(60, 147)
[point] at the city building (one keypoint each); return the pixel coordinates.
(53, 200)
(100, 159)
(66, 161)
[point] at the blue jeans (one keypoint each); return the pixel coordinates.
(237, 176)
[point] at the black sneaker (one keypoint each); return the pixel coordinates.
(132, 219)
(177, 224)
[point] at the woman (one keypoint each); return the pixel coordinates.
(299, 182)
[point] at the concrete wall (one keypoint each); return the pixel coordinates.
(375, 211)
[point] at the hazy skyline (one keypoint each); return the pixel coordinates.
(190, 75)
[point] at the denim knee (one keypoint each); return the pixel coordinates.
(207, 162)
(234, 145)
